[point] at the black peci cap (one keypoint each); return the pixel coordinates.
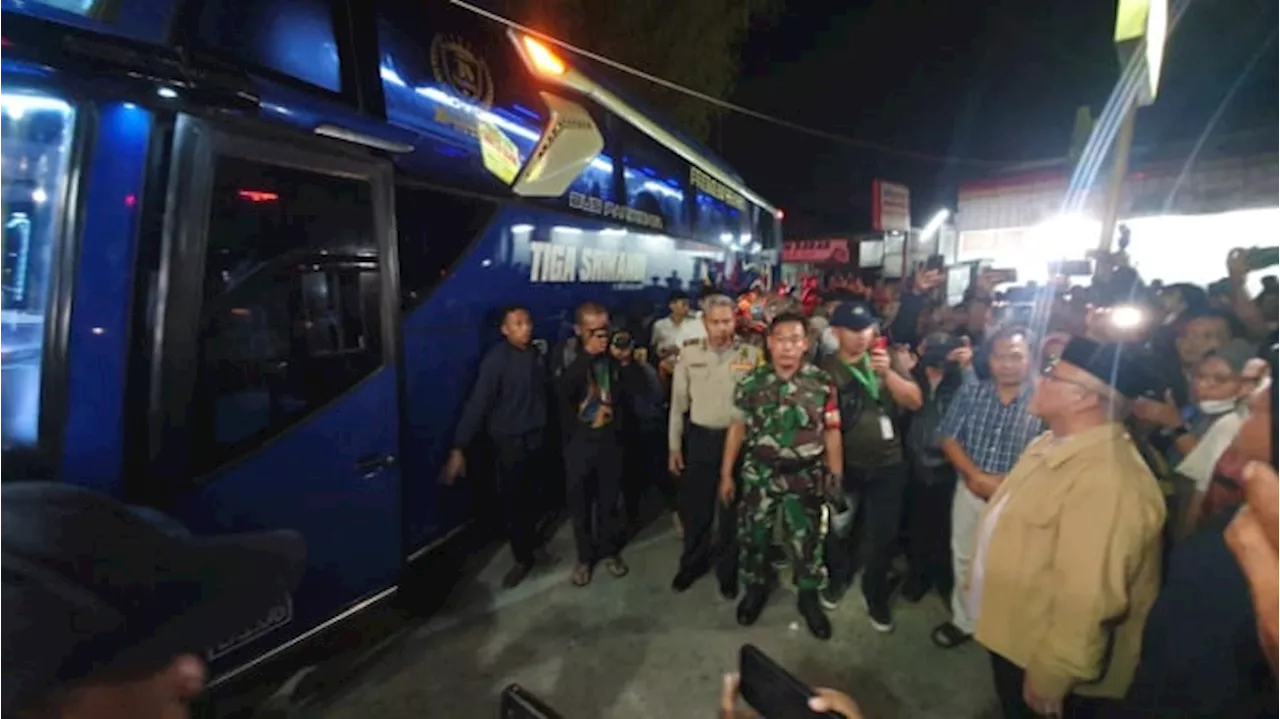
(1112, 362)
(93, 587)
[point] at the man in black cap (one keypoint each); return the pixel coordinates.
(1067, 555)
(871, 393)
(107, 609)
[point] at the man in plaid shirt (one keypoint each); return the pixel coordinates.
(984, 432)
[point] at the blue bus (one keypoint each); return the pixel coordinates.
(252, 250)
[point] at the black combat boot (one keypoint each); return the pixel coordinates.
(753, 601)
(813, 615)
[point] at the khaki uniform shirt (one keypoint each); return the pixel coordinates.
(703, 386)
(1072, 563)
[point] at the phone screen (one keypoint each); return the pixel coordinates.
(771, 690)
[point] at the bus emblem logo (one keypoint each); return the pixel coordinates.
(454, 64)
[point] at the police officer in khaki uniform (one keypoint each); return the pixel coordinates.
(702, 386)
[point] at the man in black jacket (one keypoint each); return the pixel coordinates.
(595, 392)
(509, 401)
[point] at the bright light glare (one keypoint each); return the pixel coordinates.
(543, 60)
(935, 223)
(15, 105)
(1127, 317)
(167, 93)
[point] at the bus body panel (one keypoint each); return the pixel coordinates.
(98, 347)
(308, 481)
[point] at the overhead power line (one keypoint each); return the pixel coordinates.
(731, 106)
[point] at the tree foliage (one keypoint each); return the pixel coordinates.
(694, 43)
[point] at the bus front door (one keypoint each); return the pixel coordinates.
(275, 363)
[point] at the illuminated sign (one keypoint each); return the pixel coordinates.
(890, 206)
(566, 263)
(716, 189)
(1145, 24)
(614, 211)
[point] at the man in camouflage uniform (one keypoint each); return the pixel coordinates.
(787, 428)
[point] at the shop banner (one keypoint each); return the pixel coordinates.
(834, 251)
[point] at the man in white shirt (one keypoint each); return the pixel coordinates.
(675, 331)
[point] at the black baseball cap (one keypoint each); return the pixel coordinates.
(94, 588)
(855, 316)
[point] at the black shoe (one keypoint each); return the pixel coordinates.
(752, 604)
(684, 579)
(831, 595)
(813, 615)
(880, 616)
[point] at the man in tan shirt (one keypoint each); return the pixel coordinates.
(702, 386)
(1067, 560)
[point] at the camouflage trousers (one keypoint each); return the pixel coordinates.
(798, 500)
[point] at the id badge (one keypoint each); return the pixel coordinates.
(886, 428)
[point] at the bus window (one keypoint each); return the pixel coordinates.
(36, 145)
(291, 303)
(292, 37)
(435, 229)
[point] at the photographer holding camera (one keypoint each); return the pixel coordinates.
(595, 392)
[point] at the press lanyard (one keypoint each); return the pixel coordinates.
(865, 376)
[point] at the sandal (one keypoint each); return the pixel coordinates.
(581, 575)
(616, 566)
(948, 636)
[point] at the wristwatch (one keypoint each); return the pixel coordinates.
(1176, 432)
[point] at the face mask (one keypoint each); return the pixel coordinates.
(1217, 406)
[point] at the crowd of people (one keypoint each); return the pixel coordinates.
(1093, 496)
(1047, 478)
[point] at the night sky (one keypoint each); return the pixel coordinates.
(998, 80)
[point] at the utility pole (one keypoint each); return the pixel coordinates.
(1141, 28)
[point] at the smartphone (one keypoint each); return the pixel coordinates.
(519, 703)
(771, 690)
(935, 262)
(1260, 258)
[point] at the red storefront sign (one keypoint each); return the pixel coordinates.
(800, 252)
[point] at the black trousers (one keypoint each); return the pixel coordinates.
(593, 478)
(701, 509)
(517, 461)
(874, 539)
(1009, 678)
(646, 466)
(928, 509)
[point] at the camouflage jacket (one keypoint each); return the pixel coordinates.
(785, 419)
